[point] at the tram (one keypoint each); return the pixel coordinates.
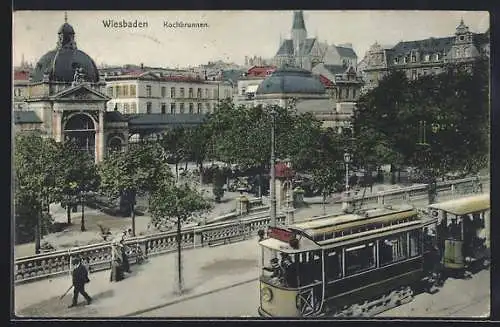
(366, 263)
(343, 265)
(463, 233)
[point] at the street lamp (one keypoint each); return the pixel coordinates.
(272, 190)
(346, 202)
(347, 160)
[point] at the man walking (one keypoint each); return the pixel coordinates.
(80, 278)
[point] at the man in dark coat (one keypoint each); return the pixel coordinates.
(80, 278)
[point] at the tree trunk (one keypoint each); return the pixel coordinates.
(200, 168)
(82, 227)
(132, 212)
(176, 171)
(179, 258)
(68, 212)
(324, 203)
(38, 230)
(186, 166)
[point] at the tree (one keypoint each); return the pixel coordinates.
(447, 113)
(174, 143)
(218, 180)
(140, 170)
(170, 202)
(327, 162)
(242, 135)
(76, 174)
(35, 182)
(196, 145)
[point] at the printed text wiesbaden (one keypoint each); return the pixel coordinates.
(124, 23)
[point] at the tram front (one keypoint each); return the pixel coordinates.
(291, 280)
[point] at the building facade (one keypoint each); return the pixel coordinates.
(423, 57)
(303, 52)
(148, 93)
(249, 82)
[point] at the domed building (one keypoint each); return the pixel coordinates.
(64, 94)
(289, 86)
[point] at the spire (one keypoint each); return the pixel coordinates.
(298, 20)
(65, 16)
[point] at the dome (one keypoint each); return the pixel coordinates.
(291, 80)
(60, 64)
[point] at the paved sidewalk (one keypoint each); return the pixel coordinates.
(151, 284)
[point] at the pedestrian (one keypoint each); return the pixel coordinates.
(80, 277)
(123, 252)
(116, 263)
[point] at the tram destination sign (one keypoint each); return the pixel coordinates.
(280, 234)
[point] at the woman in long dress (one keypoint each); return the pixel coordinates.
(116, 263)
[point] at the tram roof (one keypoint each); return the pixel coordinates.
(464, 206)
(338, 223)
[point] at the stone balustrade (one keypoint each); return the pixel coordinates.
(98, 256)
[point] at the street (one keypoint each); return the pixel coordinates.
(473, 300)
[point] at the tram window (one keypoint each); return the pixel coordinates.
(415, 237)
(392, 249)
(333, 264)
(455, 228)
(359, 258)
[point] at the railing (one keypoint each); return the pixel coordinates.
(98, 256)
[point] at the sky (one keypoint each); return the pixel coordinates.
(229, 36)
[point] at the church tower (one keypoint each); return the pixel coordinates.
(299, 33)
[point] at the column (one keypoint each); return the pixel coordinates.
(100, 147)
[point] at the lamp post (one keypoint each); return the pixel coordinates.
(272, 190)
(347, 160)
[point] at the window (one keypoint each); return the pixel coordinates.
(340, 93)
(149, 107)
(191, 108)
(414, 74)
(181, 108)
(133, 107)
(132, 90)
(125, 108)
(198, 94)
(110, 91)
(172, 108)
(462, 38)
(125, 90)
(119, 91)
(415, 237)
(172, 92)
(206, 93)
(359, 258)
(405, 60)
(427, 57)
(190, 93)
(163, 108)
(437, 57)
(457, 52)
(413, 58)
(396, 60)
(243, 91)
(354, 93)
(216, 94)
(347, 93)
(182, 95)
(333, 264)
(199, 108)
(208, 107)
(148, 91)
(163, 91)
(392, 249)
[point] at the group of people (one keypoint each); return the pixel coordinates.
(119, 258)
(119, 265)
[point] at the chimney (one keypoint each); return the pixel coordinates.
(142, 65)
